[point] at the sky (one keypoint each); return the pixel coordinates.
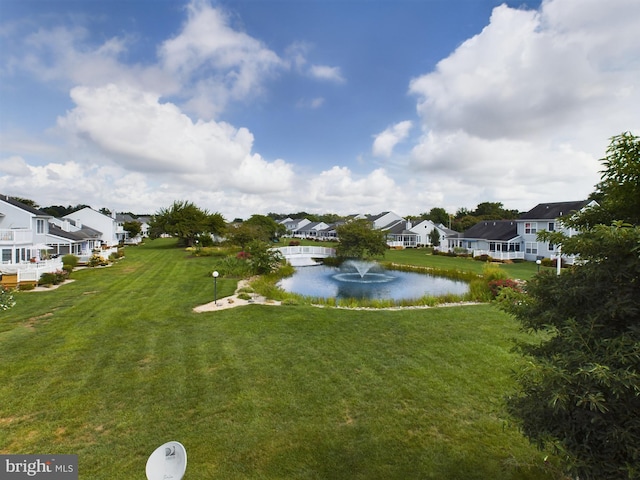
(325, 106)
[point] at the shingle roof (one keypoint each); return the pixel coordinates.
(493, 230)
(24, 207)
(551, 211)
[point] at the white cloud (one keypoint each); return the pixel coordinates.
(140, 134)
(325, 72)
(213, 54)
(385, 141)
(520, 112)
(14, 165)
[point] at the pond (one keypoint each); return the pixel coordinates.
(368, 281)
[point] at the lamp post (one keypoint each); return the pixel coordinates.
(215, 287)
(538, 262)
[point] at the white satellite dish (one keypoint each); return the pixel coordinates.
(167, 462)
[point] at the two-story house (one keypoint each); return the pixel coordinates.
(546, 216)
(23, 242)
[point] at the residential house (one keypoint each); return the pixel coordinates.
(496, 238)
(311, 230)
(105, 224)
(23, 235)
(546, 216)
(399, 235)
(293, 225)
(64, 238)
(423, 231)
(123, 235)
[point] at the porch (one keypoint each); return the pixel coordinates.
(500, 255)
(15, 274)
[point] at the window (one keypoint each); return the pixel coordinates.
(6, 255)
(532, 248)
(552, 247)
(40, 224)
(492, 246)
(552, 226)
(531, 227)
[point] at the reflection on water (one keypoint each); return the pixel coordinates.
(376, 283)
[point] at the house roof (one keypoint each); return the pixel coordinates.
(24, 207)
(83, 234)
(493, 230)
(551, 211)
(400, 228)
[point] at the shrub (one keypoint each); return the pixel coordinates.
(294, 243)
(71, 260)
(6, 299)
(97, 261)
(52, 278)
(483, 258)
(496, 286)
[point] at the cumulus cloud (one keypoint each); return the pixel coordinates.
(210, 51)
(385, 141)
(528, 104)
(139, 133)
(325, 72)
(15, 166)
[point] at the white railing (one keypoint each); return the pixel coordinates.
(22, 235)
(499, 255)
(307, 251)
(31, 271)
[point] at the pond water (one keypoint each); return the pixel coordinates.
(369, 282)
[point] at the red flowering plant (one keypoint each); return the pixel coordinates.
(497, 285)
(243, 255)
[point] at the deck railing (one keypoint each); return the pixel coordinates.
(499, 255)
(18, 235)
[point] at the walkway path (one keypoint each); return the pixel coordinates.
(234, 301)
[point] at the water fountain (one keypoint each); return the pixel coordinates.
(360, 271)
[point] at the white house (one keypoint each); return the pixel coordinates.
(64, 237)
(23, 235)
(423, 231)
(545, 216)
(104, 224)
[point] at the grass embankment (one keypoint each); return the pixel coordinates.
(116, 363)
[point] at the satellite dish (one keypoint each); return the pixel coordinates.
(167, 462)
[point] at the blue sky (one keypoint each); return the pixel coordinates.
(354, 106)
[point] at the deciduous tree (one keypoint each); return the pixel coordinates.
(580, 390)
(358, 239)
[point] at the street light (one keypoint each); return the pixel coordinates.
(215, 287)
(538, 262)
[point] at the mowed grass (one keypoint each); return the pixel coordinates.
(116, 363)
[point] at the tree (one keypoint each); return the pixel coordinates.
(580, 391)
(269, 229)
(437, 215)
(618, 193)
(182, 220)
(358, 239)
(434, 238)
(133, 228)
(243, 234)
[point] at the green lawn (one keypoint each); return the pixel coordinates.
(114, 364)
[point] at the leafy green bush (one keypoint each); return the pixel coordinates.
(71, 260)
(52, 278)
